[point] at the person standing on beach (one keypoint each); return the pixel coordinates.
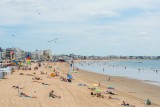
(99, 84)
(109, 78)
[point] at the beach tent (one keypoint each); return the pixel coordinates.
(69, 76)
(7, 69)
(52, 74)
(97, 90)
(4, 71)
(110, 87)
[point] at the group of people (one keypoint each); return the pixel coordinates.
(36, 68)
(43, 72)
(26, 68)
(36, 78)
(99, 94)
(65, 79)
(17, 87)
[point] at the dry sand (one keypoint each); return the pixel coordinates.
(132, 91)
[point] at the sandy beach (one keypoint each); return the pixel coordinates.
(73, 94)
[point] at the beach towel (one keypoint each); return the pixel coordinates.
(110, 87)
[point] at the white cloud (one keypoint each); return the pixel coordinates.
(72, 10)
(82, 19)
(103, 14)
(143, 33)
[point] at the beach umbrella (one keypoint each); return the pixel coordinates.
(69, 76)
(97, 90)
(110, 87)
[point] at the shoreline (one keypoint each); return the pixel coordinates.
(113, 60)
(155, 83)
(145, 80)
(130, 82)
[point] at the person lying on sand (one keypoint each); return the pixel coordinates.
(29, 75)
(25, 95)
(36, 78)
(21, 74)
(44, 83)
(92, 88)
(42, 72)
(125, 104)
(17, 87)
(100, 95)
(81, 84)
(97, 94)
(111, 93)
(51, 94)
(64, 79)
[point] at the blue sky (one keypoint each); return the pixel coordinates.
(85, 27)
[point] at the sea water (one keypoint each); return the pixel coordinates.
(146, 70)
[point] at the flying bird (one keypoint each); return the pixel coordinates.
(53, 40)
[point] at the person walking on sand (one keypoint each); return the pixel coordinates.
(99, 84)
(109, 78)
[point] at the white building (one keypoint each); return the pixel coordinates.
(47, 54)
(38, 54)
(2, 54)
(17, 53)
